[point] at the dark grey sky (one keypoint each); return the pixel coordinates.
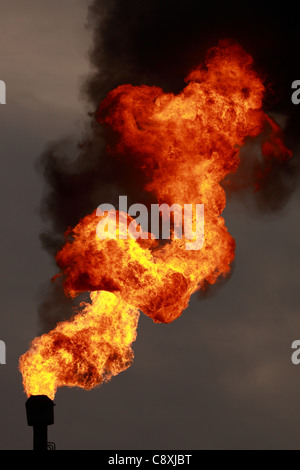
(218, 377)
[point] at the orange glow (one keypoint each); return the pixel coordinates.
(86, 351)
(186, 144)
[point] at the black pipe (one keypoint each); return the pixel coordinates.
(40, 437)
(40, 414)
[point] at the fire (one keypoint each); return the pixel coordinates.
(186, 144)
(86, 351)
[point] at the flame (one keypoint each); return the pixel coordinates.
(186, 144)
(86, 351)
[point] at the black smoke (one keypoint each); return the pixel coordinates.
(157, 42)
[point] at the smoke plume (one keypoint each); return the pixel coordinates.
(157, 43)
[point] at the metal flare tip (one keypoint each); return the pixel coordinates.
(40, 414)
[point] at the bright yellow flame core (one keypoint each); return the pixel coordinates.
(86, 351)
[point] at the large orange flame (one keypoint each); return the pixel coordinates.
(186, 144)
(84, 352)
